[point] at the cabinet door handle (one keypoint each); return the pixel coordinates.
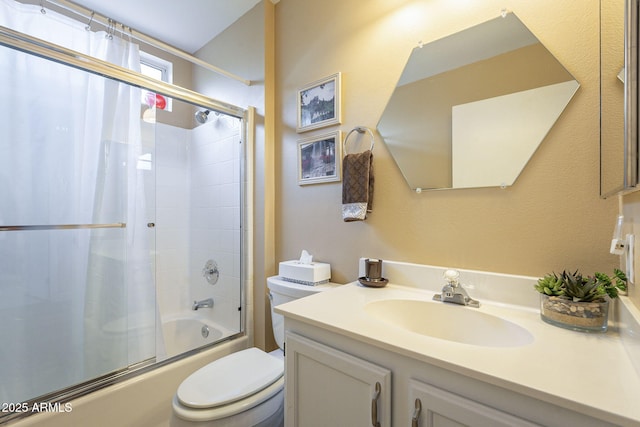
(416, 413)
(374, 406)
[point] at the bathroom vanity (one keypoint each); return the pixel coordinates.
(393, 356)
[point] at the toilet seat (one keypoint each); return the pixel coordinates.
(230, 378)
(266, 401)
(231, 385)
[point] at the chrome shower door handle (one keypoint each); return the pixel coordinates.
(374, 406)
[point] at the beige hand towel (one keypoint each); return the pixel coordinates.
(357, 185)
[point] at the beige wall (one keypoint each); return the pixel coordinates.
(552, 217)
(239, 50)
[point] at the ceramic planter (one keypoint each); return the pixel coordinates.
(577, 316)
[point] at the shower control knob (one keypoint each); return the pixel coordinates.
(210, 272)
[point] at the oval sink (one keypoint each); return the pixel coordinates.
(449, 322)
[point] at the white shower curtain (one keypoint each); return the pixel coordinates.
(69, 144)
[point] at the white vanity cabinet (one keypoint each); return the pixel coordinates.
(327, 387)
(339, 344)
(331, 381)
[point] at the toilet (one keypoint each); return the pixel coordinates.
(245, 388)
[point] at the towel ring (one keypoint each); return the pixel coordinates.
(359, 129)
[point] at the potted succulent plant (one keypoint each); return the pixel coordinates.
(572, 301)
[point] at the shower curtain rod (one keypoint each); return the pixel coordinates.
(111, 23)
(32, 45)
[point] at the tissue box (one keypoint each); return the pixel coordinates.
(312, 274)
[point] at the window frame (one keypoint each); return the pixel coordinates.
(166, 70)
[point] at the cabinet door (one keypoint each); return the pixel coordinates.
(326, 387)
(440, 408)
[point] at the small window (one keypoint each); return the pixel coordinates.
(159, 69)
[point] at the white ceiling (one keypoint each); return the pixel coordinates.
(186, 24)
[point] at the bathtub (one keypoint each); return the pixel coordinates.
(188, 331)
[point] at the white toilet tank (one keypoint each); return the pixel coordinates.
(281, 291)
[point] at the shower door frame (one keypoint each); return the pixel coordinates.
(38, 47)
(43, 49)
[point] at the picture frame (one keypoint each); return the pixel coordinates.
(319, 104)
(319, 159)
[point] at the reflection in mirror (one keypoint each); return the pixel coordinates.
(618, 137)
(470, 109)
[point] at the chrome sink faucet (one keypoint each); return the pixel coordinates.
(205, 303)
(453, 291)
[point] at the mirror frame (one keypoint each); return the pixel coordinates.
(630, 142)
(631, 93)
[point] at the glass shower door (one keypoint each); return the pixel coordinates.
(77, 294)
(108, 214)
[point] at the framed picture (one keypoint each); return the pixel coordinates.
(319, 159)
(319, 104)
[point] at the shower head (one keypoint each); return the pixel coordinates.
(202, 116)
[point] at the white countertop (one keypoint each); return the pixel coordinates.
(605, 385)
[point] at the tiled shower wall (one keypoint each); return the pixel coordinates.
(215, 216)
(198, 217)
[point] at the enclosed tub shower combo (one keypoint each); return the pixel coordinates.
(121, 211)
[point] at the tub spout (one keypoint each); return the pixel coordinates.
(205, 303)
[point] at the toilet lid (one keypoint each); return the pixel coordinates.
(230, 378)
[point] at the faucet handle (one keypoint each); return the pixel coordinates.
(451, 276)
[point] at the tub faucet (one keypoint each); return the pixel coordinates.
(205, 303)
(453, 292)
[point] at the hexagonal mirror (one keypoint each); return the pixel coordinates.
(470, 109)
